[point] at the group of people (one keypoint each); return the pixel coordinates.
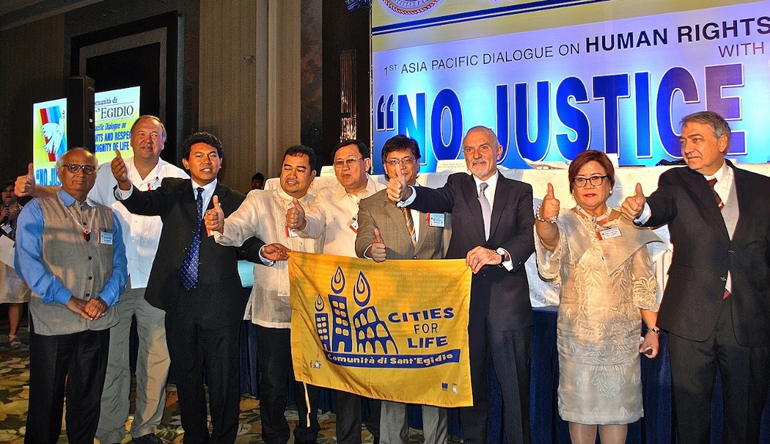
(165, 227)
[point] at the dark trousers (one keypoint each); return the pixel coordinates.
(349, 418)
(275, 367)
(511, 353)
(75, 363)
(744, 372)
(194, 346)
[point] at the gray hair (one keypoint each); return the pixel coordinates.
(91, 157)
(717, 123)
(491, 134)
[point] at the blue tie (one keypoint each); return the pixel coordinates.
(190, 263)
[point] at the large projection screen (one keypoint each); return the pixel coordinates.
(556, 77)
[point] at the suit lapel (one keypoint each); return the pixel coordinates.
(502, 192)
(396, 216)
(471, 195)
(743, 194)
(187, 197)
(705, 197)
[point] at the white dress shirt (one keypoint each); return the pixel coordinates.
(141, 234)
(263, 214)
(331, 216)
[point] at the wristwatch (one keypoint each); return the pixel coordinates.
(501, 251)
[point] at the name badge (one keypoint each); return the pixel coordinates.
(608, 233)
(436, 220)
(105, 237)
(354, 225)
(7, 228)
(291, 233)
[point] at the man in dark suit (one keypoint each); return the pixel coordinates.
(388, 232)
(716, 305)
(196, 282)
(492, 222)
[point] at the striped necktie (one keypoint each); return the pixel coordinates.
(410, 225)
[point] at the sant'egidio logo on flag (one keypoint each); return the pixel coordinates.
(410, 7)
(364, 339)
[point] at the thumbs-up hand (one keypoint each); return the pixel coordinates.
(549, 209)
(377, 250)
(214, 218)
(120, 171)
(295, 216)
(25, 185)
(634, 205)
(398, 190)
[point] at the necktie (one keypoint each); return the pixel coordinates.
(190, 263)
(486, 208)
(712, 183)
(410, 225)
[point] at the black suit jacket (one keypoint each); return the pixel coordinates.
(704, 252)
(497, 295)
(174, 202)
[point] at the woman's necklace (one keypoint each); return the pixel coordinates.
(593, 218)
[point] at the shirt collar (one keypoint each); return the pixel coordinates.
(721, 173)
(206, 188)
(370, 189)
(492, 181)
(68, 200)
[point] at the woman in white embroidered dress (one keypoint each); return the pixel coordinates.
(607, 288)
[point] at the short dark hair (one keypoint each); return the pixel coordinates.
(150, 116)
(717, 123)
(10, 183)
(258, 176)
(202, 137)
(399, 142)
(362, 148)
(590, 156)
(298, 150)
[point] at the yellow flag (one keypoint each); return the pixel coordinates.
(397, 330)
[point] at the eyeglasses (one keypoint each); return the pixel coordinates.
(596, 181)
(404, 161)
(347, 162)
(74, 168)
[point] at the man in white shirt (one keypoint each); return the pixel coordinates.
(140, 235)
(262, 215)
(333, 218)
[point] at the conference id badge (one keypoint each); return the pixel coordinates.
(354, 225)
(291, 233)
(608, 233)
(7, 228)
(105, 237)
(436, 220)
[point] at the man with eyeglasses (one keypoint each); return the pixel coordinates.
(492, 229)
(389, 232)
(333, 218)
(70, 253)
(141, 235)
